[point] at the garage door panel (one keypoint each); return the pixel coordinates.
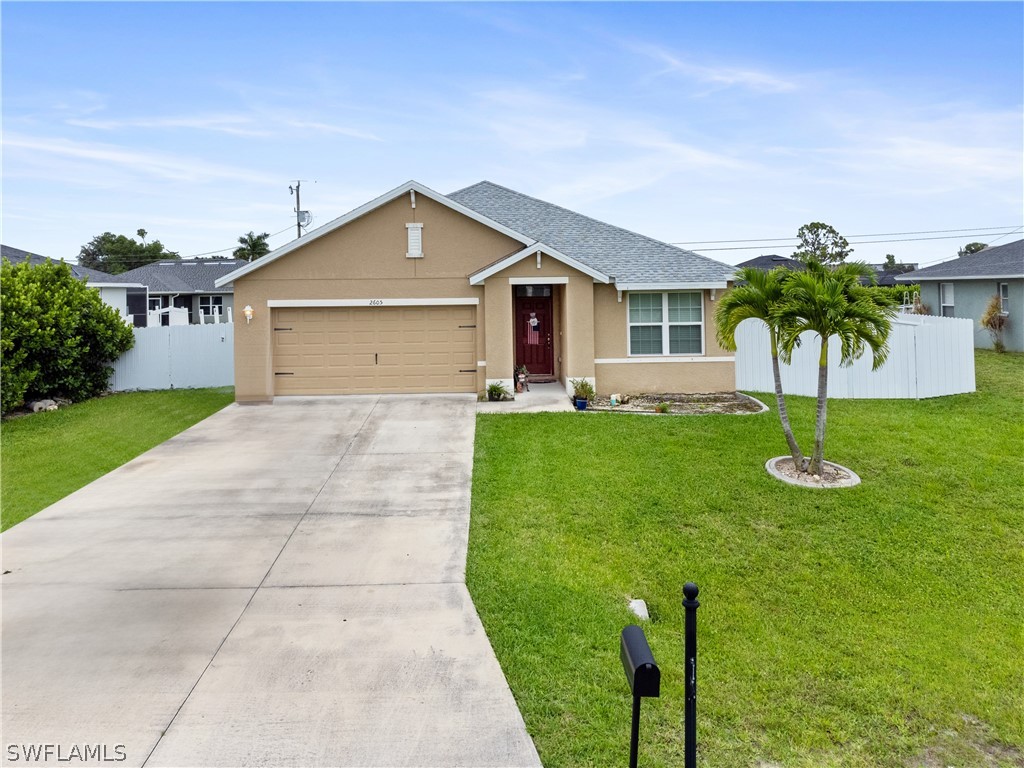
(365, 350)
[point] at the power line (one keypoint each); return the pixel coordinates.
(874, 234)
(231, 247)
(857, 242)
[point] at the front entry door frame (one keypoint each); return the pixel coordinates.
(534, 348)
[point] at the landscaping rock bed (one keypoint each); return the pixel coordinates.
(683, 404)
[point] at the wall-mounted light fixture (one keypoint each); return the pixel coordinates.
(248, 312)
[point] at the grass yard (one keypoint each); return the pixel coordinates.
(881, 625)
(46, 456)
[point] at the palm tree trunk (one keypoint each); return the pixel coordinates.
(819, 424)
(798, 456)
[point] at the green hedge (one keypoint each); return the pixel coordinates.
(57, 338)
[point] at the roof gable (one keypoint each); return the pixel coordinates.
(629, 258)
(409, 187)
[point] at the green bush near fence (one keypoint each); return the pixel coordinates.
(57, 337)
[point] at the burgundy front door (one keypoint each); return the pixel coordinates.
(533, 334)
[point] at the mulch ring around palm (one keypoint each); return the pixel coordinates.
(682, 404)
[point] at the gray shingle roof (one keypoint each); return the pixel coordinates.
(619, 253)
(997, 261)
(771, 261)
(16, 256)
(184, 276)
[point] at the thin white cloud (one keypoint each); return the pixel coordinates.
(152, 164)
(234, 125)
(715, 77)
(339, 130)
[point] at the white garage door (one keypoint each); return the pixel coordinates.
(359, 350)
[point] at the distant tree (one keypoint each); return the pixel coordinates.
(890, 261)
(118, 253)
(970, 248)
(252, 246)
(821, 243)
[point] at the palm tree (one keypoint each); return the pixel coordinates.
(834, 301)
(252, 246)
(757, 296)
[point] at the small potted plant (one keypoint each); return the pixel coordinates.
(497, 392)
(582, 393)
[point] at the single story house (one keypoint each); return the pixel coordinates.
(127, 297)
(187, 284)
(417, 291)
(964, 287)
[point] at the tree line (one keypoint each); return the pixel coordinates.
(115, 254)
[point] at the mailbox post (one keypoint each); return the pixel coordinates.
(643, 676)
(690, 606)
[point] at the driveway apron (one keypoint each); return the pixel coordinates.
(279, 585)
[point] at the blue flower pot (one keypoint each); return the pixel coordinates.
(581, 404)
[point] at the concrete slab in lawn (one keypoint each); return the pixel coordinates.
(277, 585)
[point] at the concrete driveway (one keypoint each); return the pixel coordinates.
(279, 585)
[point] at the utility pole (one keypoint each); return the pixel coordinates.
(298, 206)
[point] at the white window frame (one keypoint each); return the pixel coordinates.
(415, 238)
(665, 326)
(159, 303)
(1004, 298)
(942, 300)
(209, 297)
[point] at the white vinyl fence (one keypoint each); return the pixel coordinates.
(928, 357)
(177, 357)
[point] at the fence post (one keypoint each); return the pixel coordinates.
(690, 606)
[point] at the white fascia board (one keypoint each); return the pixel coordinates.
(296, 303)
(538, 281)
(664, 359)
(362, 210)
(478, 277)
(908, 278)
(667, 286)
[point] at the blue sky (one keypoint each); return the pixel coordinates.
(684, 121)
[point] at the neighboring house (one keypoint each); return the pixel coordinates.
(887, 275)
(186, 284)
(964, 287)
(772, 261)
(127, 297)
(416, 291)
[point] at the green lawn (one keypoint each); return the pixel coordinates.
(46, 456)
(881, 625)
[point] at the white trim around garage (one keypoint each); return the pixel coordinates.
(370, 302)
(663, 359)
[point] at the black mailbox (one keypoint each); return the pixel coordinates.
(642, 672)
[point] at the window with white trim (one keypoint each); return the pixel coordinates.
(666, 323)
(211, 305)
(415, 250)
(155, 303)
(1004, 298)
(946, 299)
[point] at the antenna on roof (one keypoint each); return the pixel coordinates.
(302, 218)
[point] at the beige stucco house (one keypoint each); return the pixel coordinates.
(422, 292)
